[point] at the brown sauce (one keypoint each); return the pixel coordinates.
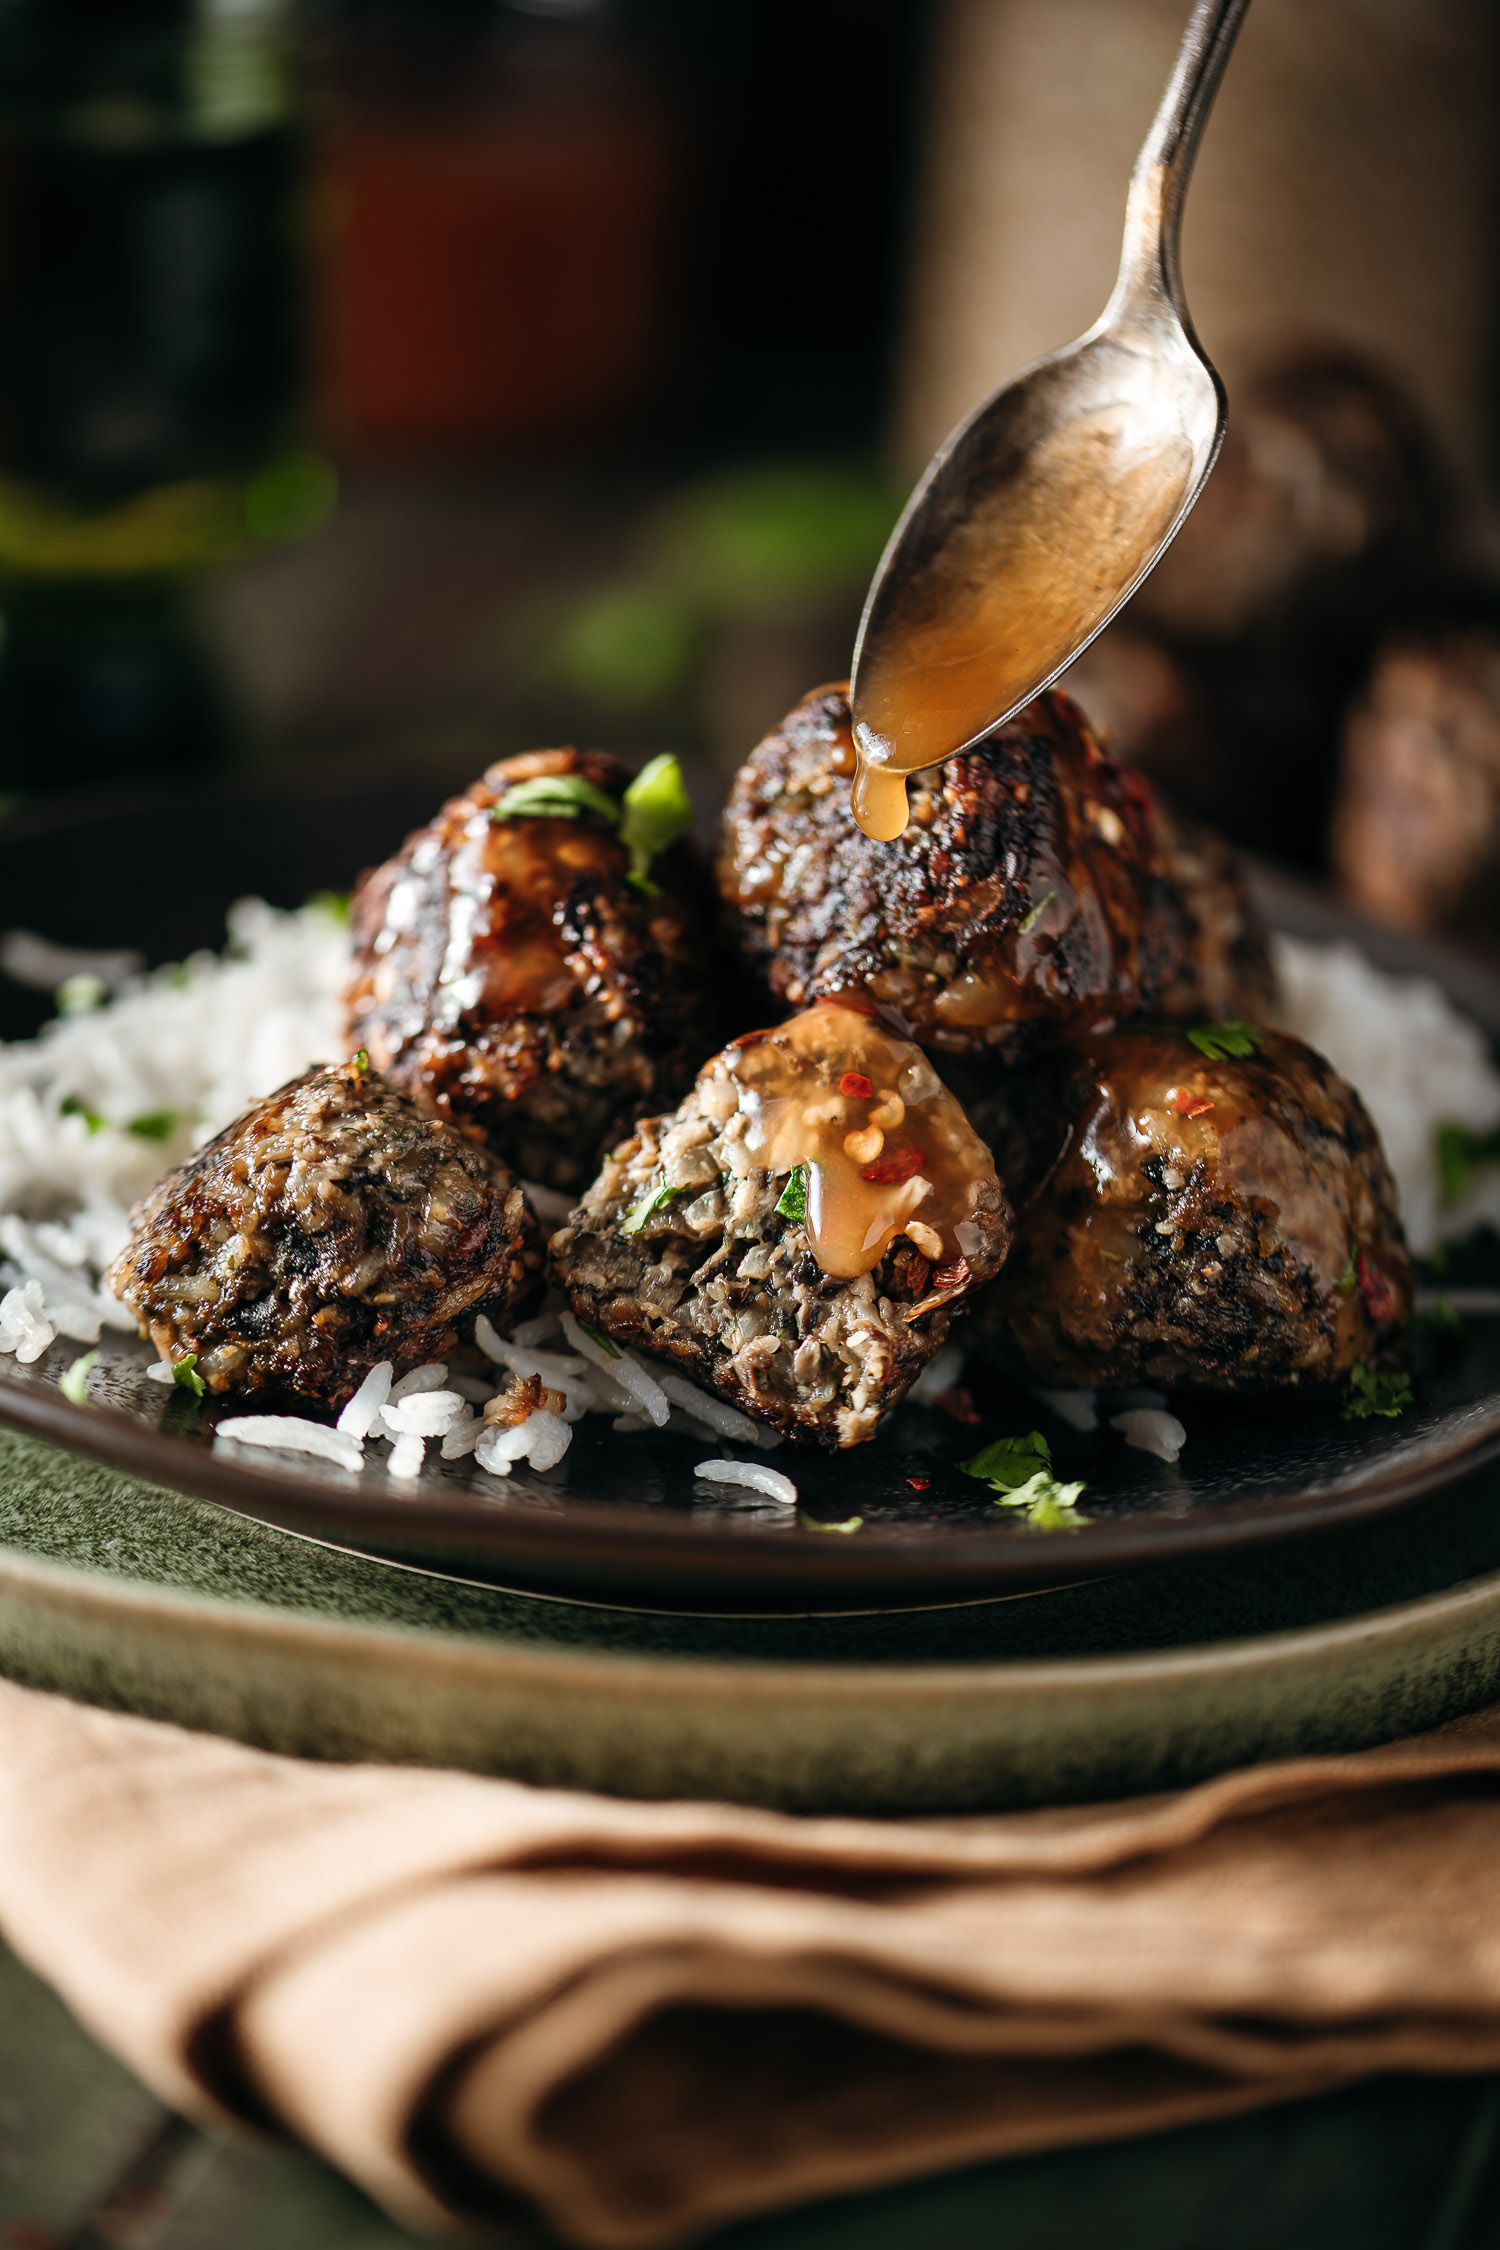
(505, 952)
(898, 1158)
(1024, 583)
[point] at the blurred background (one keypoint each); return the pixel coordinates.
(389, 385)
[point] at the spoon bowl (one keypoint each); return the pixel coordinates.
(1046, 508)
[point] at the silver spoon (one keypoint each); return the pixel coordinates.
(1043, 511)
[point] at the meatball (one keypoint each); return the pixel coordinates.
(329, 1228)
(510, 977)
(1211, 1224)
(1026, 898)
(1219, 941)
(797, 1235)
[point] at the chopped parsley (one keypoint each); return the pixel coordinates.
(641, 1210)
(361, 1058)
(1031, 920)
(1371, 1394)
(656, 812)
(1020, 1469)
(335, 904)
(185, 1374)
(71, 1106)
(792, 1201)
(74, 1384)
(1462, 1155)
(156, 1125)
(555, 796)
(1348, 1277)
(821, 1523)
(597, 1336)
(1220, 1041)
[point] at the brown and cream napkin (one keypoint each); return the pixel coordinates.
(646, 2019)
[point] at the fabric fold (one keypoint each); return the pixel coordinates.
(644, 2020)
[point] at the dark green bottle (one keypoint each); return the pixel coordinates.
(151, 364)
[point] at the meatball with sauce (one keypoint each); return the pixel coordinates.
(1029, 898)
(510, 977)
(331, 1227)
(1215, 1222)
(798, 1233)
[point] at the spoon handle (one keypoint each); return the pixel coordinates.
(1149, 265)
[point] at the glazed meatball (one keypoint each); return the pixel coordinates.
(1218, 1225)
(1027, 899)
(509, 977)
(1217, 937)
(329, 1228)
(797, 1235)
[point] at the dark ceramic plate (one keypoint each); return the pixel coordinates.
(622, 1518)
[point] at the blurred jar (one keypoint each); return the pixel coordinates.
(494, 185)
(151, 360)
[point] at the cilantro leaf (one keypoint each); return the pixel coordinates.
(821, 1523)
(71, 1106)
(156, 1125)
(74, 1384)
(656, 812)
(1010, 1462)
(1031, 920)
(185, 1374)
(1462, 1155)
(555, 796)
(1220, 1041)
(642, 1208)
(361, 1059)
(1347, 1278)
(1371, 1394)
(792, 1201)
(1020, 1469)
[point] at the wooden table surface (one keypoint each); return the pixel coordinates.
(90, 2161)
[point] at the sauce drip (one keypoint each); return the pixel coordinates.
(1010, 594)
(901, 1159)
(506, 953)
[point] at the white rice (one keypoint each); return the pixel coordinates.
(423, 1413)
(288, 1433)
(407, 1455)
(363, 1410)
(1151, 1430)
(432, 1377)
(621, 1368)
(755, 1474)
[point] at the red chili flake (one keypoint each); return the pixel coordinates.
(1186, 1104)
(958, 1406)
(894, 1165)
(920, 1484)
(856, 1085)
(1374, 1288)
(917, 1270)
(952, 1274)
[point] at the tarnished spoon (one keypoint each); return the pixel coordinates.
(1044, 510)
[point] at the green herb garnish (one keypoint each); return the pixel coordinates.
(74, 1384)
(555, 796)
(1348, 1277)
(361, 1058)
(656, 813)
(1020, 1469)
(641, 1210)
(792, 1201)
(71, 1106)
(80, 994)
(1371, 1394)
(1461, 1156)
(598, 1336)
(185, 1374)
(156, 1125)
(821, 1523)
(1220, 1041)
(1040, 908)
(335, 904)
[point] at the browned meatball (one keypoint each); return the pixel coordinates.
(1224, 956)
(509, 977)
(1210, 1225)
(797, 1235)
(1027, 900)
(329, 1228)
